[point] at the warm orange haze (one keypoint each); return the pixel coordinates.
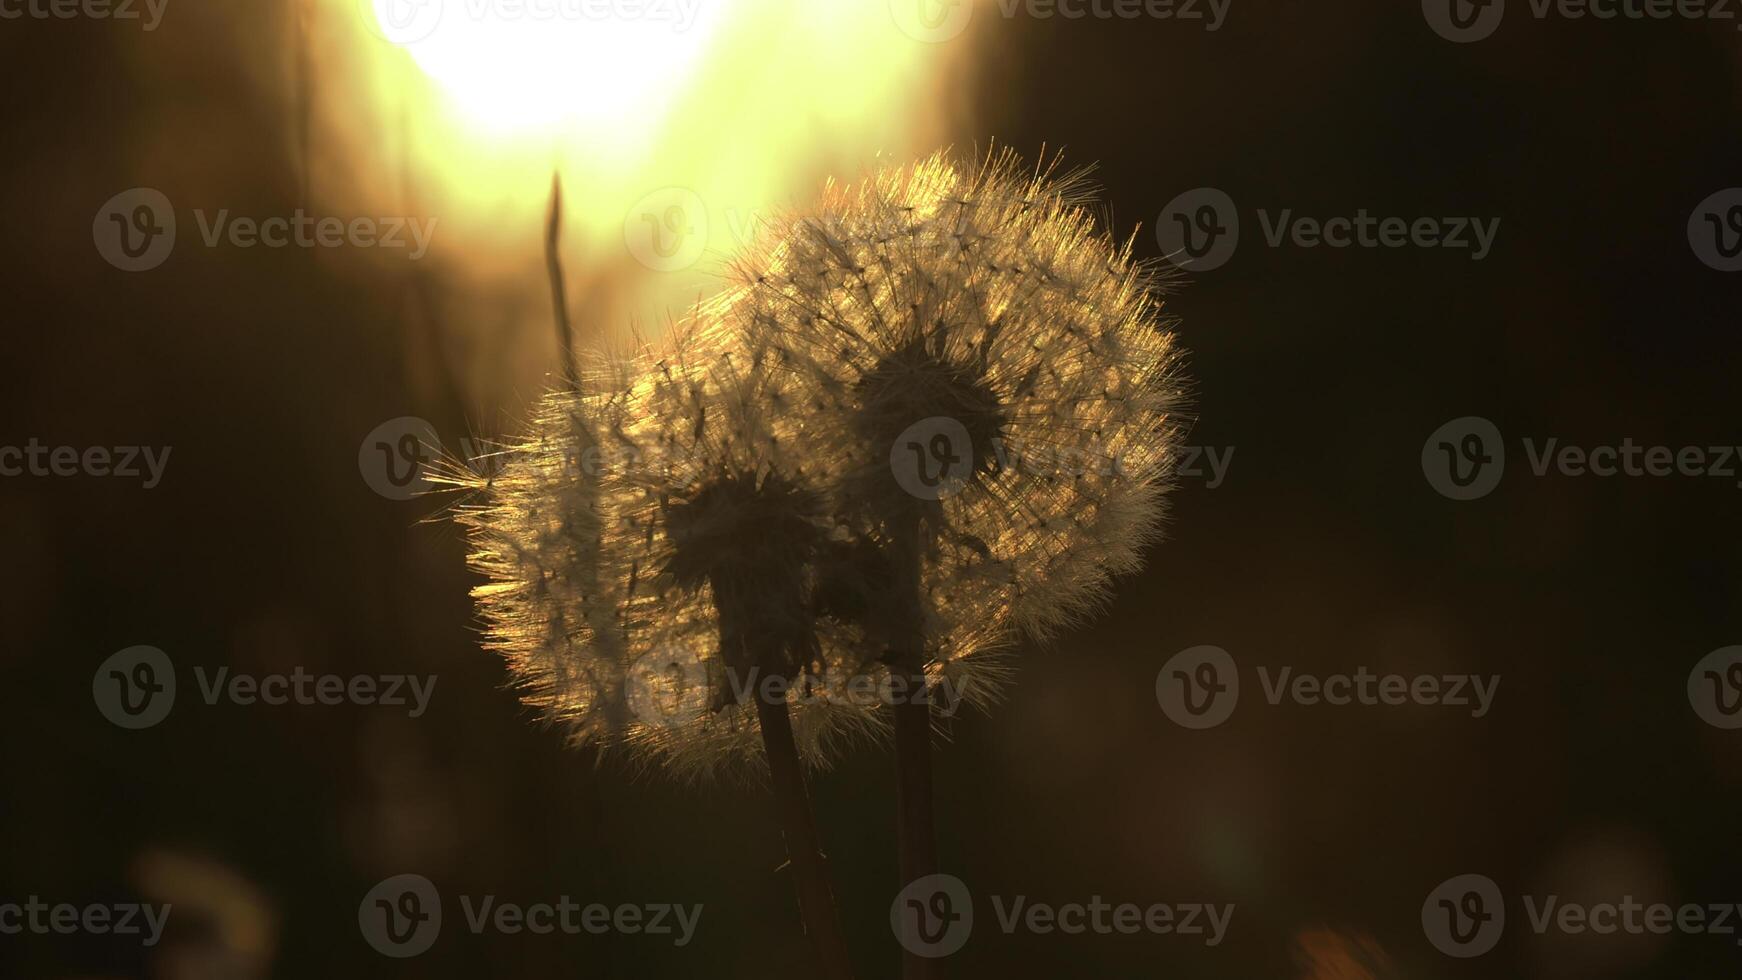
(868, 489)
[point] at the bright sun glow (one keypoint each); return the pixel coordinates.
(675, 132)
(518, 65)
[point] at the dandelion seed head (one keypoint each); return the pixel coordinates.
(990, 299)
(654, 553)
(956, 351)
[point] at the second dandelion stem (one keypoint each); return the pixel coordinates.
(816, 900)
(916, 829)
(916, 834)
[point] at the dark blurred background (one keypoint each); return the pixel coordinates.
(1324, 549)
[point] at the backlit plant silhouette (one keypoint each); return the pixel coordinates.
(935, 411)
(992, 379)
(651, 547)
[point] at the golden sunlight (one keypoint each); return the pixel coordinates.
(518, 65)
(677, 126)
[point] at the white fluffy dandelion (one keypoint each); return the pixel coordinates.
(993, 370)
(650, 549)
(936, 409)
(992, 376)
(653, 552)
(712, 515)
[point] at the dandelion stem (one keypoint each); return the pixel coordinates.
(553, 264)
(816, 900)
(915, 832)
(916, 828)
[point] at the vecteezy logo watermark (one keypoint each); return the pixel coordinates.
(932, 458)
(1464, 916)
(35, 459)
(136, 687)
(136, 230)
(1715, 230)
(65, 919)
(1199, 230)
(1464, 459)
(934, 917)
(92, 9)
(1715, 688)
(1199, 687)
(934, 21)
(1463, 21)
(402, 917)
(395, 457)
(667, 230)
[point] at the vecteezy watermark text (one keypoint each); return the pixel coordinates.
(934, 917)
(1465, 458)
(1104, 918)
(307, 231)
(935, 458)
(1199, 687)
(674, 686)
(136, 230)
(402, 917)
(301, 688)
(123, 462)
(136, 688)
(1465, 916)
(150, 11)
(127, 919)
(1200, 229)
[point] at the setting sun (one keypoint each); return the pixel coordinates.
(512, 65)
(677, 128)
